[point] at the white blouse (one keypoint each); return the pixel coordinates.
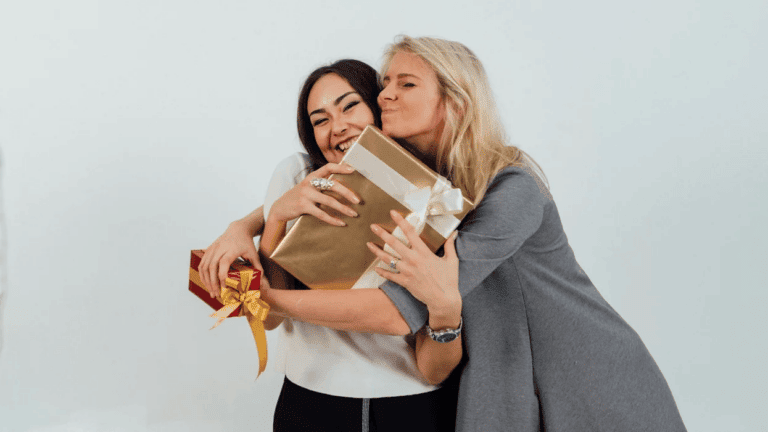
(334, 362)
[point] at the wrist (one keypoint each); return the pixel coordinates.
(241, 226)
(445, 314)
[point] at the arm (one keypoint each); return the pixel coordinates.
(434, 281)
(237, 241)
(509, 214)
(359, 310)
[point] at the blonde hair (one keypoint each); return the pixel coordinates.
(473, 146)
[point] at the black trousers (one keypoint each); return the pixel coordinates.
(300, 409)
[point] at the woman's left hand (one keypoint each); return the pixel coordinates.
(433, 280)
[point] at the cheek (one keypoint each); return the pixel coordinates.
(322, 137)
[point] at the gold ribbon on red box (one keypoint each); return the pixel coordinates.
(241, 294)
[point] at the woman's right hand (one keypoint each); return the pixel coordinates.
(305, 199)
(236, 241)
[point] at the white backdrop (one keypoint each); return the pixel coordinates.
(135, 131)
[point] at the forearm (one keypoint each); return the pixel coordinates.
(253, 222)
(274, 231)
(436, 360)
(357, 310)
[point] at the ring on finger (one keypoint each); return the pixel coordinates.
(322, 183)
(393, 265)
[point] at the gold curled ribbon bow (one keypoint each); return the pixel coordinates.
(236, 294)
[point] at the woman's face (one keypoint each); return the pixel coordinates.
(337, 114)
(411, 105)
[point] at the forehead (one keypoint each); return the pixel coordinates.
(404, 62)
(326, 90)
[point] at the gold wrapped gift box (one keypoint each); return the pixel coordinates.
(386, 177)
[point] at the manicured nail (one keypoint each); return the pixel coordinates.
(375, 228)
(349, 168)
(352, 213)
(340, 223)
(356, 200)
(394, 214)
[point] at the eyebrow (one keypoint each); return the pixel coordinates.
(400, 75)
(335, 103)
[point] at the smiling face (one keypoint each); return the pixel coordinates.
(411, 105)
(338, 115)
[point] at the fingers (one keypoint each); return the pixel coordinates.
(329, 201)
(204, 269)
(226, 260)
(323, 216)
(253, 257)
(210, 271)
(450, 246)
(391, 240)
(410, 232)
(383, 256)
(345, 192)
(398, 277)
(333, 168)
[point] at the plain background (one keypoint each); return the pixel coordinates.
(135, 131)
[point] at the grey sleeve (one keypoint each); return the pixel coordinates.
(509, 214)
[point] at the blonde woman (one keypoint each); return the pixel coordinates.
(544, 350)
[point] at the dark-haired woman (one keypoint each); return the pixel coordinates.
(339, 380)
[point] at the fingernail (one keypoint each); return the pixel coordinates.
(353, 213)
(394, 214)
(340, 223)
(356, 200)
(349, 168)
(375, 228)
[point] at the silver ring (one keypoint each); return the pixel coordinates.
(393, 265)
(322, 183)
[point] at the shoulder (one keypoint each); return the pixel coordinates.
(293, 165)
(514, 186)
(514, 202)
(291, 170)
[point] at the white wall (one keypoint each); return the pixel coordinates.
(133, 132)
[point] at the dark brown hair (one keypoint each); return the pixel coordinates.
(363, 79)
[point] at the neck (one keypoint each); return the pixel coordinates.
(425, 146)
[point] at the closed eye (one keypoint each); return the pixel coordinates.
(351, 105)
(318, 122)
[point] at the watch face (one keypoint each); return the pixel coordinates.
(448, 337)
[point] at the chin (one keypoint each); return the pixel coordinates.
(391, 132)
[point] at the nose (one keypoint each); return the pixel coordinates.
(387, 93)
(339, 126)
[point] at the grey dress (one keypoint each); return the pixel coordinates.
(543, 349)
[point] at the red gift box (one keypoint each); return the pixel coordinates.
(233, 281)
(240, 297)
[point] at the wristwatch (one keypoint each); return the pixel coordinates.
(445, 336)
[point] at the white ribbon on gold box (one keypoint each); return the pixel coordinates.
(386, 177)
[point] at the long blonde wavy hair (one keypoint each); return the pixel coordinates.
(473, 146)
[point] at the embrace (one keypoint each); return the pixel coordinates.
(501, 330)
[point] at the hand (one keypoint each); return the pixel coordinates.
(235, 242)
(433, 280)
(305, 198)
